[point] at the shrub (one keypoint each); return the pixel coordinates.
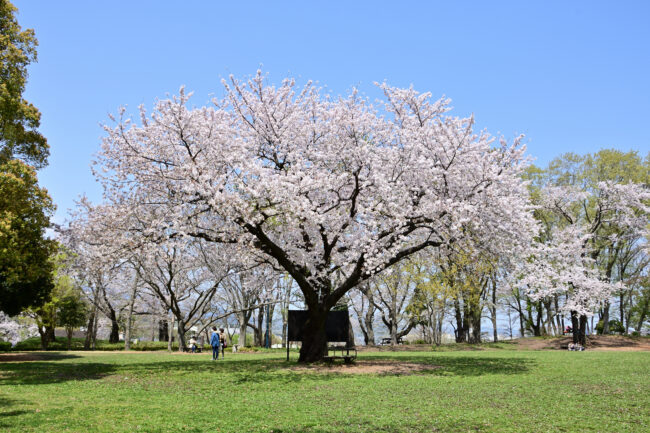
(5, 346)
(615, 327)
(78, 344)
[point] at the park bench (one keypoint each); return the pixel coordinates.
(189, 349)
(387, 341)
(347, 354)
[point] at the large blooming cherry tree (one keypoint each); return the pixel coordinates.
(321, 186)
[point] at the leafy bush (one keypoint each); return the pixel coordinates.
(5, 346)
(78, 344)
(615, 327)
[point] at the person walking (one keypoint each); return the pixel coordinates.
(222, 334)
(215, 342)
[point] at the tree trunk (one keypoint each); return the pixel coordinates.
(393, 328)
(242, 333)
(93, 343)
(181, 335)
(269, 322)
(579, 324)
(314, 344)
(575, 326)
(163, 330)
(285, 315)
(559, 318)
(129, 318)
(493, 310)
(363, 329)
(550, 323)
(170, 326)
(582, 338)
(621, 309)
(522, 328)
(368, 321)
(605, 318)
(44, 337)
(460, 326)
(90, 329)
(69, 333)
(644, 306)
(258, 331)
(475, 318)
(115, 329)
(509, 323)
(534, 325)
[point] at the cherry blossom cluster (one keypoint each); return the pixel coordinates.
(318, 185)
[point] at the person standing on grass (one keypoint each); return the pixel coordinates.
(222, 334)
(215, 342)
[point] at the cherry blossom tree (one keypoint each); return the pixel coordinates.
(320, 185)
(173, 272)
(99, 263)
(245, 290)
(362, 301)
(14, 330)
(392, 291)
(565, 260)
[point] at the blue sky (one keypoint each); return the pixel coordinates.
(572, 76)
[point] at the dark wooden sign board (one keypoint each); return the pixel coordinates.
(337, 326)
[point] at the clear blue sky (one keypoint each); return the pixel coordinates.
(572, 76)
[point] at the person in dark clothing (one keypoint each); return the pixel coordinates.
(222, 334)
(215, 342)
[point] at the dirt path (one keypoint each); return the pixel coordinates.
(363, 366)
(594, 342)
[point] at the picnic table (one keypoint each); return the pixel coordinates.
(387, 341)
(347, 354)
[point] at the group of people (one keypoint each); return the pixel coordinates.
(576, 347)
(218, 342)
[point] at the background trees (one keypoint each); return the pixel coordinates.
(594, 215)
(25, 208)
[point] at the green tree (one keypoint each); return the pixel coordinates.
(25, 266)
(63, 306)
(18, 118)
(72, 312)
(25, 208)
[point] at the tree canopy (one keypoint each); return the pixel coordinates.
(25, 208)
(18, 118)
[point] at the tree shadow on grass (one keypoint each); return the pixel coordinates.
(6, 403)
(43, 368)
(238, 372)
(471, 365)
(35, 356)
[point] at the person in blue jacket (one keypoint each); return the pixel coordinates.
(215, 342)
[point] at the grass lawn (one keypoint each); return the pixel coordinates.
(490, 390)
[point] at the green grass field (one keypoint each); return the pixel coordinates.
(490, 390)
